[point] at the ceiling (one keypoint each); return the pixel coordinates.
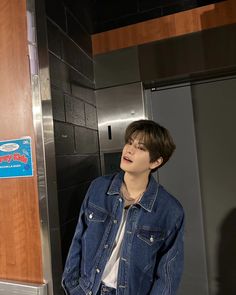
(103, 15)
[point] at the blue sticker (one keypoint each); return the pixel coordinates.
(16, 158)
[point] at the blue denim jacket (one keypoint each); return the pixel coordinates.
(152, 250)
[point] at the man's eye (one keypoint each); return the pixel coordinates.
(141, 148)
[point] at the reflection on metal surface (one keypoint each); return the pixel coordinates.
(117, 107)
(118, 121)
(10, 287)
(45, 153)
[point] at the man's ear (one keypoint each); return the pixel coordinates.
(157, 163)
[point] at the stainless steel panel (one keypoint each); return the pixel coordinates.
(45, 153)
(17, 288)
(118, 67)
(117, 107)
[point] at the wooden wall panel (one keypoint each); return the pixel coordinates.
(190, 21)
(20, 245)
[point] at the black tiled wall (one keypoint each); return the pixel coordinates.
(74, 112)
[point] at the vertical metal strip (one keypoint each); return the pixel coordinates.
(45, 151)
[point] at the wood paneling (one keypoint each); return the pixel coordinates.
(20, 245)
(190, 21)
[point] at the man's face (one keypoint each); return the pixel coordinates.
(135, 157)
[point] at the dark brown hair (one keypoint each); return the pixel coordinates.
(156, 138)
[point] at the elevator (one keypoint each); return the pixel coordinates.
(75, 102)
(192, 112)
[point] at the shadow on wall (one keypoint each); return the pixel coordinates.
(227, 255)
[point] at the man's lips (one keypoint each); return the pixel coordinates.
(126, 158)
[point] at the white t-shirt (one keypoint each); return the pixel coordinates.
(110, 273)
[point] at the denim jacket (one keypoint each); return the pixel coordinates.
(151, 261)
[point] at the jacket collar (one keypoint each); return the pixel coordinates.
(148, 199)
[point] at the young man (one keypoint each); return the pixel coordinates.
(129, 237)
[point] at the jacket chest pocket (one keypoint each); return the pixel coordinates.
(150, 236)
(95, 214)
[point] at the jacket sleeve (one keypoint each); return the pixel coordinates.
(170, 266)
(71, 274)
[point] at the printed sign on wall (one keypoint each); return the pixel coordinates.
(16, 158)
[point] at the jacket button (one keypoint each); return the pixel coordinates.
(97, 270)
(90, 293)
(115, 221)
(106, 246)
(120, 199)
(90, 215)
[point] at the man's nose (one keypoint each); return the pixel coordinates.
(131, 148)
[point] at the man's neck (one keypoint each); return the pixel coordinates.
(135, 184)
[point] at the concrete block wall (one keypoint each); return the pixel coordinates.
(74, 113)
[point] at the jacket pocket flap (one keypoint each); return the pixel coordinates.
(95, 214)
(150, 236)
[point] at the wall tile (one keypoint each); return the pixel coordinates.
(54, 38)
(71, 69)
(86, 140)
(77, 32)
(70, 200)
(87, 68)
(58, 104)
(84, 93)
(74, 111)
(74, 56)
(91, 116)
(59, 74)
(64, 138)
(78, 79)
(76, 169)
(71, 53)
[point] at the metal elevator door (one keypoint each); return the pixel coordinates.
(172, 108)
